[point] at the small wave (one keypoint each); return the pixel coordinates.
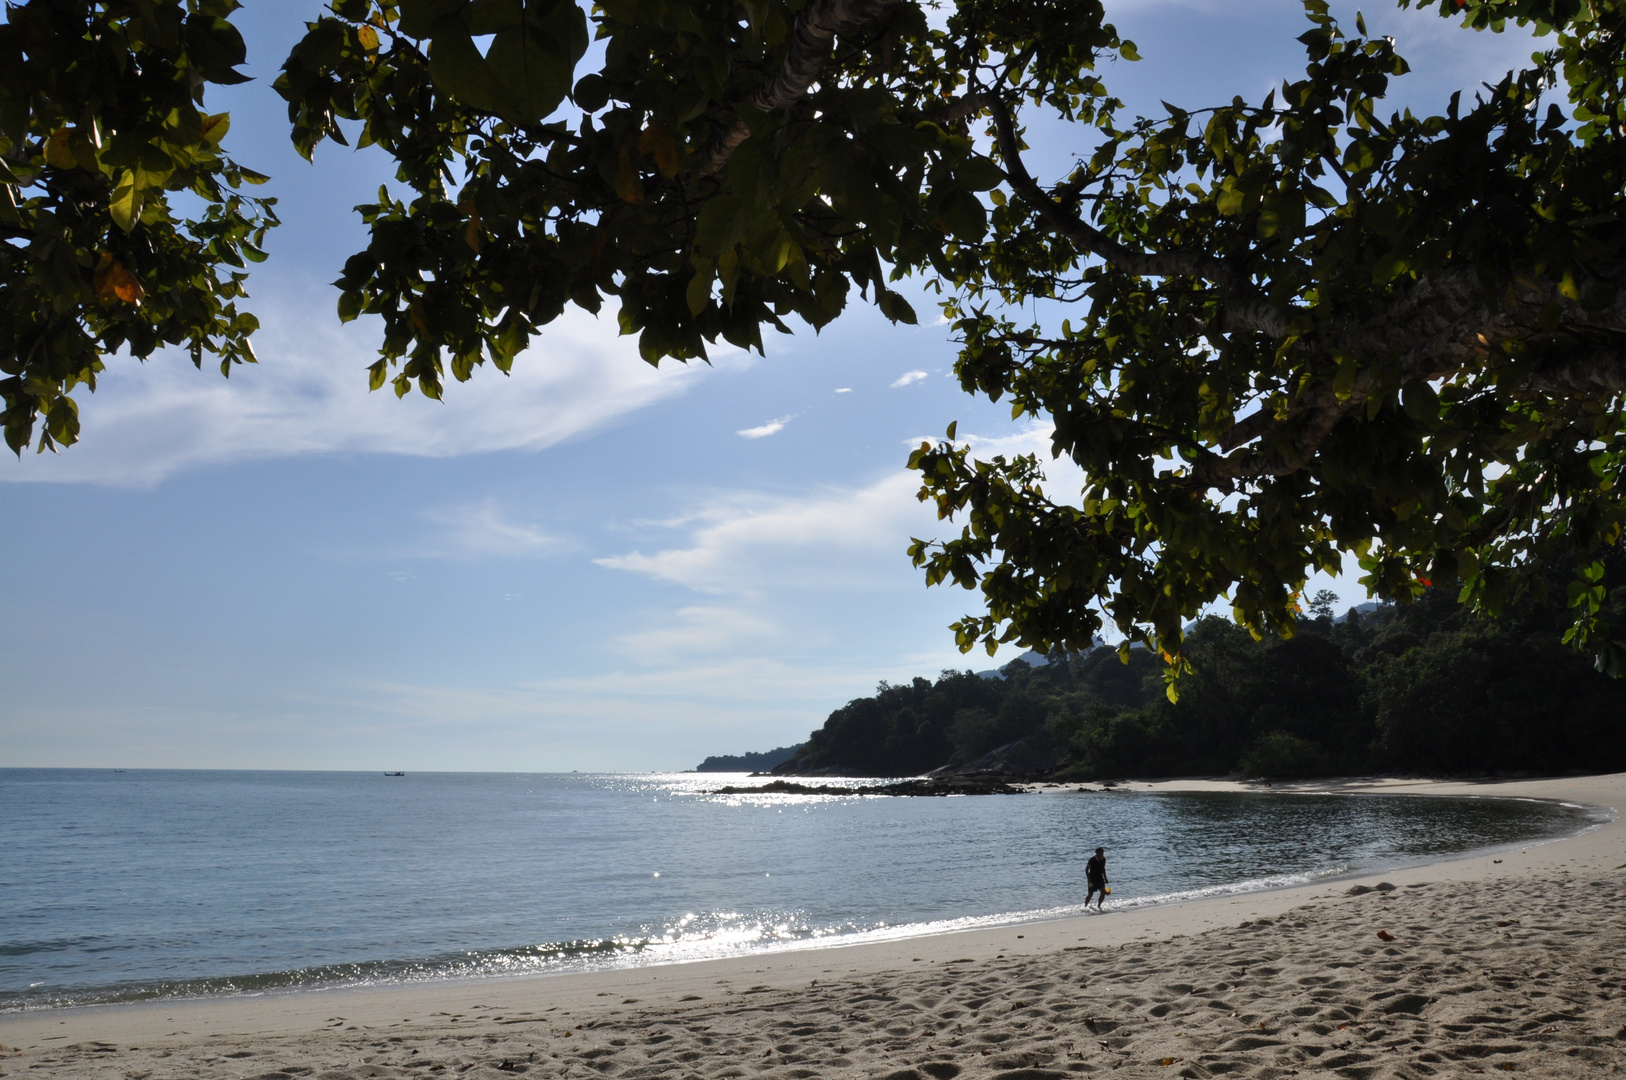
(31, 948)
(688, 939)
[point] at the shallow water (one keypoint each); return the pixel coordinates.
(141, 884)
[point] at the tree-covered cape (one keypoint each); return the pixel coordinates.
(1426, 689)
(1274, 333)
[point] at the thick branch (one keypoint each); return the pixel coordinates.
(952, 112)
(811, 41)
(1440, 327)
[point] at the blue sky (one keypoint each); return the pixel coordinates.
(591, 565)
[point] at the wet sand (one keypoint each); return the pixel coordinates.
(1513, 962)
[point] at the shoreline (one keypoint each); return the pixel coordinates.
(141, 1035)
(903, 934)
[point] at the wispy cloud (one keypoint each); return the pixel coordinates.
(483, 529)
(907, 378)
(844, 537)
(694, 631)
(844, 389)
(772, 427)
(742, 543)
(308, 395)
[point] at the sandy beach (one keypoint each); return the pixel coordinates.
(1513, 962)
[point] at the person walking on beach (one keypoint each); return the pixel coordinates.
(1095, 872)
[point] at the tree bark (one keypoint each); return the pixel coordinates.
(811, 41)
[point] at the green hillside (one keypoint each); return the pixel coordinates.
(1428, 689)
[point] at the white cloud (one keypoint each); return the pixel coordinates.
(744, 544)
(482, 529)
(739, 544)
(308, 395)
(907, 378)
(844, 389)
(698, 631)
(772, 427)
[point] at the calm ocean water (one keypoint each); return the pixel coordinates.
(119, 886)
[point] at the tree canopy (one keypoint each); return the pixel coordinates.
(104, 145)
(1270, 333)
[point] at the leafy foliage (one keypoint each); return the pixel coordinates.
(516, 214)
(1271, 334)
(1298, 329)
(103, 142)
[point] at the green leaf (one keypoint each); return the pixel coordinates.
(418, 17)
(460, 71)
(592, 92)
(895, 307)
(978, 173)
(1343, 383)
(722, 224)
(494, 16)
(125, 203)
(536, 60)
(965, 217)
(698, 294)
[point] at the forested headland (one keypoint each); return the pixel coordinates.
(750, 762)
(1427, 689)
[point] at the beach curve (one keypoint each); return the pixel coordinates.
(1510, 961)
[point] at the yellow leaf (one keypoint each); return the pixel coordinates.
(57, 151)
(628, 185)
(215, 127)
(473, 235)
(113, 282)
(656, 140)
(368, 38)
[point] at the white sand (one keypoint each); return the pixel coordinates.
(1516, 962)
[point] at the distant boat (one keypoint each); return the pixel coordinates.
(395, 774)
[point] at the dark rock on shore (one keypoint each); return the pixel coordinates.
(1023, 760)
(929, 786)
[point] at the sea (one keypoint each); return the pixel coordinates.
(138, 885)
